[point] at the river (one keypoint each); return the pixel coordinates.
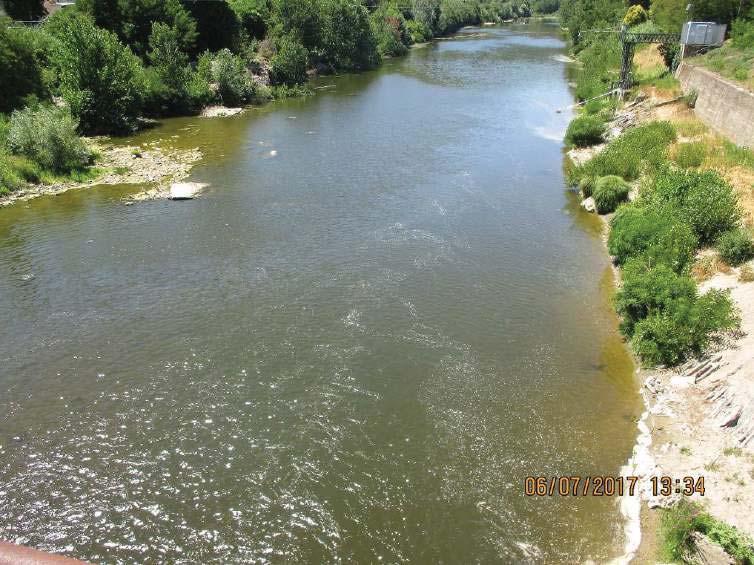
(384, 313)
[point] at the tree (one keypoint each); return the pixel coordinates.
(300, 18)
(671, 14)
(132, 20)
(427, 12)
(19, 69)
(99, 77)
(253, 15)
(347, 38)
(217, 26)
(289, 62)
(25, 10)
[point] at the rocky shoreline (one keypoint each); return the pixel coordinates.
(150, 165)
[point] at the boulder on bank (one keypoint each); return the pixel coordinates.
(589, 205)
(185, 190)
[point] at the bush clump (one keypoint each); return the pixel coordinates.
(629, 155)
(635, 15)
(735, 247)
(586, 186)
(288, 64)
(348, 40)
(682, 520)
(99, 77)
(21, 73)
(690, 155)
(609, 192)
(665, 317)
(227, 75)
(9, 180)
(391, 32)
(47, 135)
(585, 130)
(654, 233)
(173, 87)
(703, 199)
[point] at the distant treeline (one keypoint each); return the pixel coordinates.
(112, 61)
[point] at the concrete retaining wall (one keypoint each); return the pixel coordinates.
(724, 106)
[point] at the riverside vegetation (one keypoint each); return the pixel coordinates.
(107, 64)
(692, 201)
(681, 207)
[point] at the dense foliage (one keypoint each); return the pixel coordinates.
(735, 247)
(585, 130)
(672, 14)
(228, 76)
(635, 151)
(132, 20)
(19, 68)
(47, 136)
(682, 520)
(99, 78)
(704, 200)
(654, 233)
(609, 192)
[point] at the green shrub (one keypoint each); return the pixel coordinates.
(609, 191)
(26, 169)
(656, 234)
(735, 543)
(298, 18)
(19, 68)
(585, 130)
(690, 155)
(586, 186)
(454, 14)
(735, 247)
(743, 31)
(47, 135)
(635, 151)
(650, 289)
(348, 41)
(253, 15)
(132, 20)
(635, 15)
(229, 75)
(390, 31)
(679, 522)
(703, 199)
(427, 13)
(288, 65)
(9, 179)
(600, 67)
(100, 78)
(668, 337)
(419, 31)
(172, 86)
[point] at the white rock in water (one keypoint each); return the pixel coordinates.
(185, 190)
(589, 205)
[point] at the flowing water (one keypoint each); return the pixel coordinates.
(385, 312)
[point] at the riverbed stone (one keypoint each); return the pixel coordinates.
(185, 190)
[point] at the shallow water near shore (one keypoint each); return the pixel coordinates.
(383, 314)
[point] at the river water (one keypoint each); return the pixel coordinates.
(384, 313)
